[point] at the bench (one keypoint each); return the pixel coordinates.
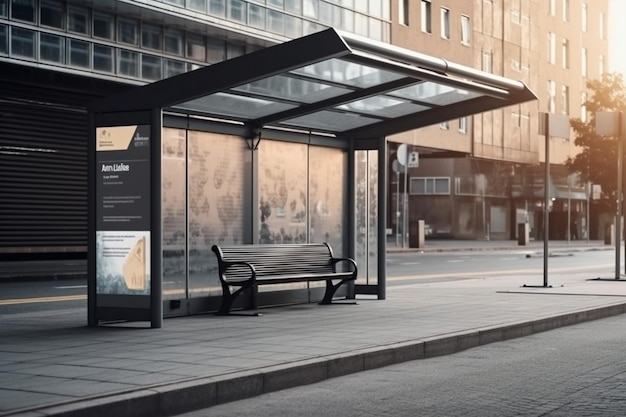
(245, 267)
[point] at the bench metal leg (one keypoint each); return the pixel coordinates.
(331, 289)
(228, 298)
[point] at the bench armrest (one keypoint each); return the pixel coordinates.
(350, 261)
(224, 266)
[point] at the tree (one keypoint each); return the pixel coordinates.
(597, 161)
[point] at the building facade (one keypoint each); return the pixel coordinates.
(477, 174)
(495, 181)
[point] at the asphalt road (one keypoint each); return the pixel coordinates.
(572, 371)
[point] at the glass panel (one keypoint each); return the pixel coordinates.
(23, 10)
(173, 209)
(283, 87)
(282, 192)
(103, 25)
(366, 186)
(51, 48)
(294, 6)
(173, 42)
(196, 49)
(4, 40)
(234, 50)
(22, 42)
(361, 24)
(78, 54)
(128, 63)
(174, 68)
(78, 19)
(237, 11)
(127, 31)
(150, 67)
(275, 3)
(383, 106)
(328, 121)
(293, 26)
(199, 5)
(274, 21)
(256, 16)
(151, 37)
(103, 58)
(238, 107)
(432, 93)
(219, 203)
(328, 199)
(348, 73)
(51, 13)
(310, 8)
(4, 8)
(217, 8)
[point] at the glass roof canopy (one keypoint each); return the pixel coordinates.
(329, 82)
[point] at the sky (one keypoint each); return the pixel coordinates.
(617, 36)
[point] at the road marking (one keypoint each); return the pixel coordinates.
(454, 261)
(16, 301)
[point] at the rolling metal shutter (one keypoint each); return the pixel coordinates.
(43, 171)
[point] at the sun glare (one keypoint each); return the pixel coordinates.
(617, 32)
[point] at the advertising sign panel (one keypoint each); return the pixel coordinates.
(123, 210)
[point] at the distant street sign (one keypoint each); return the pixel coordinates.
(414, 160)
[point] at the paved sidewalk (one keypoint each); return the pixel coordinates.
(54, 365)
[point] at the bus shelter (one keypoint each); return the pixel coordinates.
(283, 145)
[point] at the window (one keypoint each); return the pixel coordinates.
(216, 50)
(445, 23)
(583, 107)
(463, 125)
(217, 8)
(583, 62)
(551, 96)
(196, 49)
(173, 68)
(426, 16)
(22, 42)
(429, 185)
(565, 10)
(602, 28)
(51, 48)
(127, 31)
(583, 17)
(551, 48)
(444, 125)
(78, 53)
(565, 100)
(127, 63)
(487, 61)
(465, 30)
(552, 10)
(78, 20)
(103, 25)
(256, 16)
(293, 6)
(23, 10)
(51, 14)
(601, 65)
(150, 67)
(293, 26)
(275, 21)
(199, 5)
(4, 38)
(173, 41)
(103, 58)
(4, 8)
(361, 26)
(403, 12)
(309, 8)
(237, 11)
(565, 53)
(151, 37)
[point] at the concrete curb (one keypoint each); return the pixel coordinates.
(199, 393)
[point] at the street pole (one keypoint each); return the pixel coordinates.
(546, 201)
(618, 220)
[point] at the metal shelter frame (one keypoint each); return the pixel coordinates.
(331, 84)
